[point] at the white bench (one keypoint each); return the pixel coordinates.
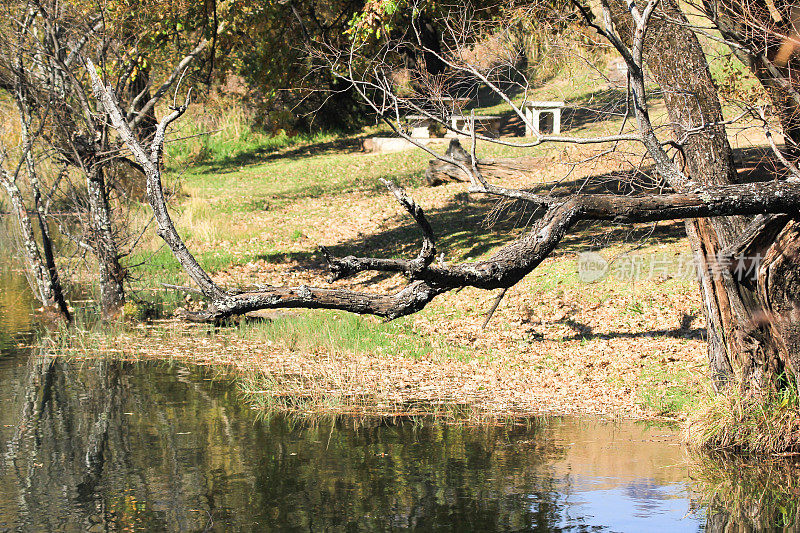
(421, 124)
(463, 125)
(533, 114)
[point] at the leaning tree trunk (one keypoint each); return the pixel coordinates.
(53, 281)
(752, 334)
(121, 175)
(112, 274)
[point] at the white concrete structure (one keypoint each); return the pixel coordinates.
(387, 145)
(533, 114)
(420, 126)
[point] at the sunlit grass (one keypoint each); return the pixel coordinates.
(337, 332)
(667, 392)
(242, 197)
(760, 422)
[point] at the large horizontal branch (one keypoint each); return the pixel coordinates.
(410, 299)
(513, 262)
(504, 269)
(509, 265)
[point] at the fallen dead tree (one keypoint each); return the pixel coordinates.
(439, 171)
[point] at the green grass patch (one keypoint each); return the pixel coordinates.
(334, 332)
(666, 392)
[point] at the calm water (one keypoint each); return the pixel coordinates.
(100, 446)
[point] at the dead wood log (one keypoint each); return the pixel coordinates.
(439, 172)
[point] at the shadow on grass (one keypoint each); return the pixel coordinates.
(468, 227)
(758, 163)
(260, 155)
(585, 332)
(409, 179)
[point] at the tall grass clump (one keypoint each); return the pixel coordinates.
(329, 379)
(202, 222)
(332, 333)
(764, 422)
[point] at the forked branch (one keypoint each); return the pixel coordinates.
(429, 279)
(349, 266)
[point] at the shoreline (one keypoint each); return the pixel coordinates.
(498, 384)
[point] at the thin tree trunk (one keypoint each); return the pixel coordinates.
(112, 274)
(47, 242)
(43, 277)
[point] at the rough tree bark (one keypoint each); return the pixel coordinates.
(41, 68)
(744, 340)
(765, 33)
(111, 273)
(429, 279)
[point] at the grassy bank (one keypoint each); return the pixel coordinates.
(629, 344)
(751, 423)
(255, 212)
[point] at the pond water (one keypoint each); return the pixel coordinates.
(104, 445)
(108, 445)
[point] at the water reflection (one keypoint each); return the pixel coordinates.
(15, 304)
(108, 445)
(747, 494)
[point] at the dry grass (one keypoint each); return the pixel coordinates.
(195, 215)
(758, 423)
(555, 345)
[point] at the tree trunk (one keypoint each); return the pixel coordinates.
(43, 275)
(112, 275)
(751, 336)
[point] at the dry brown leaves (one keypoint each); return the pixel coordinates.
(563, 348)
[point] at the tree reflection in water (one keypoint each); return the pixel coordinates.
(109, 445)
(746, 494)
